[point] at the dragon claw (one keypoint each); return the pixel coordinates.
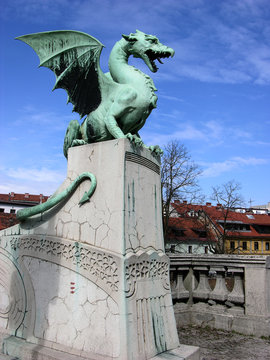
(78, 142)
(156, 150)
(134, 139)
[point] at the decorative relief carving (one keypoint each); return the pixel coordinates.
(97, 264)
(12, 295)
(146, 269)
(141, 160)
(151, 325)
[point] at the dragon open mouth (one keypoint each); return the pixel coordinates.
(156, 55)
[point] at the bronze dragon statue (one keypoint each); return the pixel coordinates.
(115, 104)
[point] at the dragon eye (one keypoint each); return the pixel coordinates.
(153, 41)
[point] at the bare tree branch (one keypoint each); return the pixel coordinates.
(179, 177)
(228, 196)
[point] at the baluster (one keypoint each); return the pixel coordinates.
(173, 282)
(237, 296)
(203, 289)
(220, 292)
(181, 291)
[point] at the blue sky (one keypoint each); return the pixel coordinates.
(213, 96)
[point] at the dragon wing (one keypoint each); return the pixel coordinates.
(74, 58)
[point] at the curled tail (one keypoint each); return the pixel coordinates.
(26, 213)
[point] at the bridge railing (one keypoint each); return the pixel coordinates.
(227, 292)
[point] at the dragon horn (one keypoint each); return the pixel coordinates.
(130, 37)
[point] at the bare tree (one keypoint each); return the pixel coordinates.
(228, 197)
(179, 177)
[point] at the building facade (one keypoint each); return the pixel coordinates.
(186, 231)
(12, 202)
(242, 231)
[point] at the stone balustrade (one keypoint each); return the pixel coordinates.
(228, 292)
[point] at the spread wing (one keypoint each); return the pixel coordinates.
(74, 58)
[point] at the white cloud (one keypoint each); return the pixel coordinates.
(172, 98)
(249, 161)
(258, 142)
(217, 168)
(213, 132)
(215, 129)
(220, 132)
(35, 181)
(37, 175)
(183, 131)
(226, 41)
(40, 117)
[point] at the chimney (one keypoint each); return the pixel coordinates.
(12, 194)
(208, 204)
(219, 205)
(185, 202)
(177, 202)
(26, 195)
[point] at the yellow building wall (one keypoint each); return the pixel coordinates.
(251, 246)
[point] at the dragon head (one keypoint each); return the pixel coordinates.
(148, 48)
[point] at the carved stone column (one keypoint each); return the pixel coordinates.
(237, 296)
(220, 292)
(181, 292)
(203, 289)
(93, 280)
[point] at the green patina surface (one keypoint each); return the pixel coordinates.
(54, 200)
(114, 105)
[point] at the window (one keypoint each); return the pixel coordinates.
(235, 226)
(206, 249)
(232, 245)
(267, 246)
(190, 249)
(262, 229)
(244, 245)
(12, 211)
(202, 234)
(178, 232)
(2, 210)
(172, 249)
(256, 245)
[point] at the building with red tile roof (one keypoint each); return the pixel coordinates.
(243, 231)
(186, 231)
(12, 202)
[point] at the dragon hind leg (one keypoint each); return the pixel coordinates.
(73, 136)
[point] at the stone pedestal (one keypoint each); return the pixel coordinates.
(93, 280)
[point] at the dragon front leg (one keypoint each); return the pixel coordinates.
(73, 136)
(121, 107)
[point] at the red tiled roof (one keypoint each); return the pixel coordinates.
(191, 229)
(7, 220)
(23, 198)
(216, 214)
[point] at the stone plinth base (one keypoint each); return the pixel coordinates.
(23, 350)
(92, 280)
(183, 352)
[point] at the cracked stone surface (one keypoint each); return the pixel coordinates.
(69, 318)
(134, 201)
